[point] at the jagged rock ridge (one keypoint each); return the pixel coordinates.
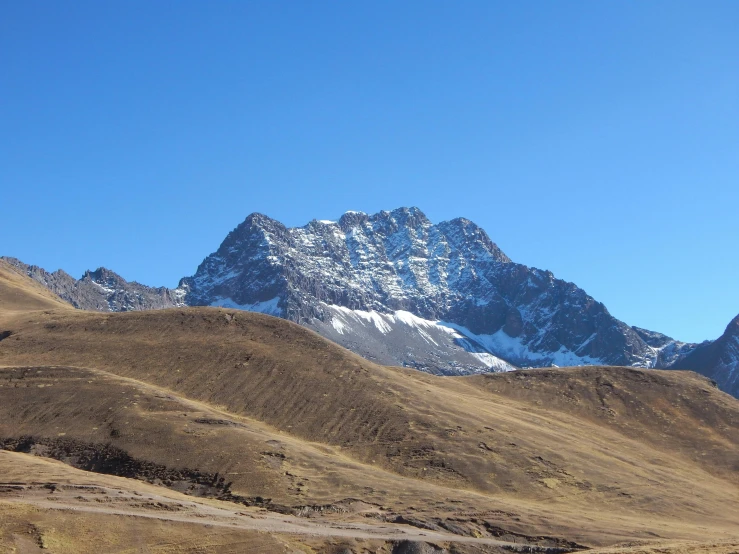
(102, 290)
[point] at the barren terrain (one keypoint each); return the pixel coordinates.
(245, 432)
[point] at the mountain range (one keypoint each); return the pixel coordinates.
(400, 290)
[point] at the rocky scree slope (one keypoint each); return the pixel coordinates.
(101, 290)
(398, 289)
(669, 350)
(718, 360)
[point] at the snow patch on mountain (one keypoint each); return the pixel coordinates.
(426, 338)
(513, 349)
(269, 307)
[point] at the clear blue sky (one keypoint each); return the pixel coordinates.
(597, 139)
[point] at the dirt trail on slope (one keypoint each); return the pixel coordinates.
(105, 500)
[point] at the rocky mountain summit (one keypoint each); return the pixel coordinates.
(101, 290)
(399, 289)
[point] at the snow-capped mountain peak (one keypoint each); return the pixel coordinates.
(450, 275)
(399, 289)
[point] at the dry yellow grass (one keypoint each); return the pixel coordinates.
(595, 456)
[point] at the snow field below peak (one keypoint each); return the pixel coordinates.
(268, 307)
(421, 337)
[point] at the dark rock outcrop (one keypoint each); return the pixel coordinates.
(718, 360)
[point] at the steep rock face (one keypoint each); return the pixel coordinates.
(669, 350)
(102, 290)
(718, 360)
(394, 287)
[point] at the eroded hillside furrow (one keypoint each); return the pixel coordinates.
(108, 460)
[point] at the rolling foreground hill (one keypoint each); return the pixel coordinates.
(245, 432)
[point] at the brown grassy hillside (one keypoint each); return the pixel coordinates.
(587, 455)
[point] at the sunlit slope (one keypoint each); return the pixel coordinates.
(18, 292)
(106, 423)
(680, 413)
(249, 363)
(483, 442)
